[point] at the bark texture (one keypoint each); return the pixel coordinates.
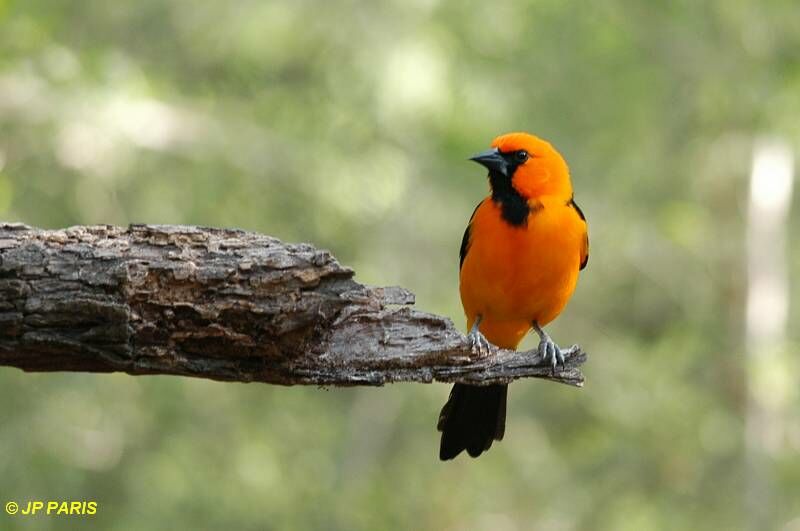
(227, 305)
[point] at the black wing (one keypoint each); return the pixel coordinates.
(585, 253)
(465, 239)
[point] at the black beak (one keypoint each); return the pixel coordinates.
(493, 160)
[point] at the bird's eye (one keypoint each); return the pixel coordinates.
(521, 156)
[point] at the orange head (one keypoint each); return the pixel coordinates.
(525, 166)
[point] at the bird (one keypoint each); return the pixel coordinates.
(520, 258)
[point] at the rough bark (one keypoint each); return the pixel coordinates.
(226, 305)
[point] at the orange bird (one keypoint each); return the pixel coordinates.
(520, 258)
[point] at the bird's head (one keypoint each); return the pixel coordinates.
(527, 165)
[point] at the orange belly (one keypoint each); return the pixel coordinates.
(513, 276)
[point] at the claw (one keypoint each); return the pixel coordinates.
(479, 344)
(551, 353)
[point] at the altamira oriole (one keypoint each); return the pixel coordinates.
(520, 257)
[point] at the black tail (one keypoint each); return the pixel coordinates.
(472, 418)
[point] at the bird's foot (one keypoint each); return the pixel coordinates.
(479, 344)
(552, 354)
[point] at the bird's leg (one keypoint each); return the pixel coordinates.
(549, 351)
(478, 342)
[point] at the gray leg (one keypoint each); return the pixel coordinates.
(551, 353)
(479, 343)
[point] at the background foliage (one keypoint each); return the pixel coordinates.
(348, 124)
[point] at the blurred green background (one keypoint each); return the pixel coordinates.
(347, 124)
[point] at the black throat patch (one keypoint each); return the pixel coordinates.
(513, 206)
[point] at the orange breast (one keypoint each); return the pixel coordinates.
(512, 276)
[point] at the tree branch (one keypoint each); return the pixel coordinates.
(225, 305)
